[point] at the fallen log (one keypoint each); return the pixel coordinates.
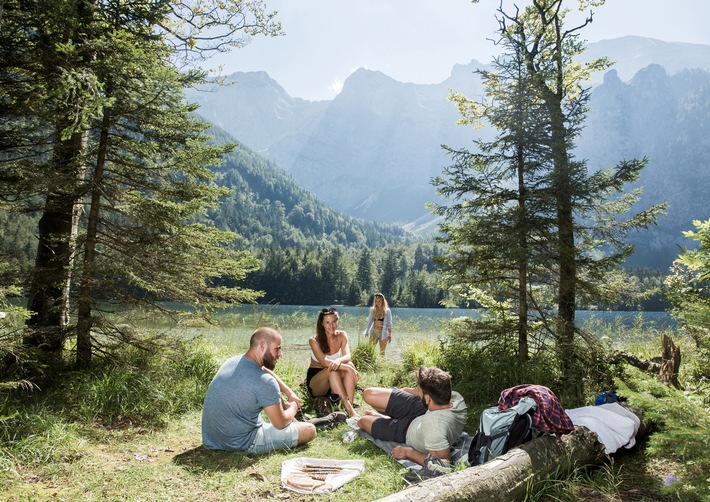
(637, 362)
(666, 366)
(511, 476)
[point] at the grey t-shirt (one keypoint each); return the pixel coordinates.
(233, 404)
(439, 429)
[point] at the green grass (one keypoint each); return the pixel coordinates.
(170, 464)
(130, 429)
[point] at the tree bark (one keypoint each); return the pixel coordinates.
(58, 227)
(513, 475)
(86, 288)
(670, 362)
(637, 362)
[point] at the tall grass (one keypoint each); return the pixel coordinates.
(136, 388)
(584, 483)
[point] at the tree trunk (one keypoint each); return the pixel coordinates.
(85, 320)
(59, 225)
(670, 362)
(49, 291)
(637, 362)
(523, 255)
(511, 476)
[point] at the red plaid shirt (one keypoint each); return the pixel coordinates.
(549, 416)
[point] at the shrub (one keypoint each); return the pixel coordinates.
(365, 357)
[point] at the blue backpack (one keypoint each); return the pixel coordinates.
(607, 397)
(499, 431)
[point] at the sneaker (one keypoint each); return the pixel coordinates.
(433, 467)
(335, 401)
(301, 417)
(329, 421)
(322, 406)
(437, 466)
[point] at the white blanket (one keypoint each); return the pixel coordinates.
(615, 425)
(318, 475)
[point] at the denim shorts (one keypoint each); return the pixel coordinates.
(269, 438)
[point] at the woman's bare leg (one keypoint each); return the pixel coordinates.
(338, 387)
(320, 383)
(383, 346)
(349, 383)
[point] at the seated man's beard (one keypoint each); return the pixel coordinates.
(269, 361)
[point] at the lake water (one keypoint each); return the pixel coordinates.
(297, 323)
(352, 317)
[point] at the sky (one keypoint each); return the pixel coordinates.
(420, 41)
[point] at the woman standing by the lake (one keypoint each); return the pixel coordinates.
(331, 369)
(379, 323)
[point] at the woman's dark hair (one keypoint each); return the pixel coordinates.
(320, 330)
(436, 383)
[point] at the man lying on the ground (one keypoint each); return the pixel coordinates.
(428, 419)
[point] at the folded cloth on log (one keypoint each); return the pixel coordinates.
(614, 425)
(549, 416)
(458, 449)
(318, 475)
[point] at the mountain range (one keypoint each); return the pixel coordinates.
(372, 150)
(266, 208)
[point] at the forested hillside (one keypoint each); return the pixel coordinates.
(268, 209)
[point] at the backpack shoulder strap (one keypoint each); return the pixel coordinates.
(524, 405)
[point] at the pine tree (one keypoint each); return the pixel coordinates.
(50, 97)
(389, 274)
(499, 219)
(689, 292)
(150, 179)
(527, 214)
(586, 205)
(57, 89)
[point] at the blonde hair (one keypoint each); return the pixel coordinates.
(373, 310)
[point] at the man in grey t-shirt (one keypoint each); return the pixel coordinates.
(243, 387)
(428, 419)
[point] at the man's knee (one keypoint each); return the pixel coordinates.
(376, 396)
(306, 432)
(368, 394)
(365, 423)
